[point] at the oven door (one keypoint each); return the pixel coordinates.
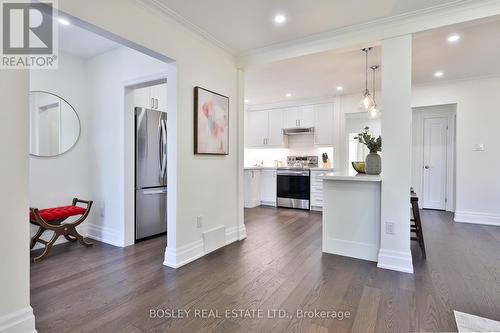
(293, 188)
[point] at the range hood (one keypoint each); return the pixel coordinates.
(298, 130)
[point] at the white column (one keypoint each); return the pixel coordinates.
(16, 314)
(396, 154)
(242, 233)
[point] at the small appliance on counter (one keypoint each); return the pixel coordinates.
(294, 181)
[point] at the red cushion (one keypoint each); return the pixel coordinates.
(57, 213)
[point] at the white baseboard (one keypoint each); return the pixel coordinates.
(352, 249)
(242, 232)
(177, 257)
(21, 321)
(395, 260)
(477, 218)
(105, 235)
(252, 204)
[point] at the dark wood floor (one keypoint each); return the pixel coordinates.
(279, 266)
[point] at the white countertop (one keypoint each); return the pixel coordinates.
(351, 175)
(274, 168)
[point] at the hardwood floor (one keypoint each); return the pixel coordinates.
(279, 266)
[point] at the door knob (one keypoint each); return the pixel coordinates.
(427, 167)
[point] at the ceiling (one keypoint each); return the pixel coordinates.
(244, 25)
(83, 43)
(476, 54)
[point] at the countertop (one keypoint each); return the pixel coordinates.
(274, 168)
(352, 175)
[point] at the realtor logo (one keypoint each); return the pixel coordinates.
(29, 36)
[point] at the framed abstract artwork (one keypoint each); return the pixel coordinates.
(211, 122)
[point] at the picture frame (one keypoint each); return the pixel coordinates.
(211, 122)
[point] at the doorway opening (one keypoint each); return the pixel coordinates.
(88, 150)
(433, 156)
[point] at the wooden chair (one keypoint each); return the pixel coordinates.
(52, 218)
(416, 226)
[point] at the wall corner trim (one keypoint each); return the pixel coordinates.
(177, 257)
(395, 260)
(21, 321)
(242, 232)
(105, 235)
(477, 218)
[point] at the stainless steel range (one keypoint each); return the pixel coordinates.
(294, 182)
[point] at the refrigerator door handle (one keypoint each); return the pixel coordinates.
(160, 147)
(155, 191)
(163, 144)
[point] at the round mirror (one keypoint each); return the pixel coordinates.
(54, 125)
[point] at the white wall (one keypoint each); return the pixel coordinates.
(55, 181)
(111, 133)
(478, 117)
(205, 185)
(396, 158)
(16, 314)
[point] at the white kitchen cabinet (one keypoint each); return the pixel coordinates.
(159, 96)
(291, 117)
(317, 190)
(275, 135)
(268, 187)
(306, 118)
(264, 129)
(256, 128)
(151, 97)
(142, 97)
(323, 124)
(252, 188)
(302, 116)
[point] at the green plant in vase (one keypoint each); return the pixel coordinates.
(374, 145)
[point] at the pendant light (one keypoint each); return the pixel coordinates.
(374, 111)
(367, 100)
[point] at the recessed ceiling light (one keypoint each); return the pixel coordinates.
(247, 101)
(438, 74)
(454, 38)
(288, 95)
(280, 18)
(340, 88)
(63, 21)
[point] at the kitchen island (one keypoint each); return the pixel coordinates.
(351, 214)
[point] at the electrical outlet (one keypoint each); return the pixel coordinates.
(199, 222)
(102, 210)
(389, 228)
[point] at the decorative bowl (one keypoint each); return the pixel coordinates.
(359, 166)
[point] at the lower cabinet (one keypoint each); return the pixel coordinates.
(317, 190)
(252, 188)
(260, 188)
(268, 187)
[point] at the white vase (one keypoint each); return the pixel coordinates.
(373, 164)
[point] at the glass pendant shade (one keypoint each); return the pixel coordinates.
(374, 112)
(367, 101)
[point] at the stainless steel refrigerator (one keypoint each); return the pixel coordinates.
(150, 173)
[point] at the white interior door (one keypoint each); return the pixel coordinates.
(435, 162)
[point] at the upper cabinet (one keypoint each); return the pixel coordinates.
(152, 97)
(300, 116)
(323, 124)
(265, 128)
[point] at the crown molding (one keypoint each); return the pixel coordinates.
(374, 31)
(161, 8)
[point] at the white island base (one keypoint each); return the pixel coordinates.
(351, 215)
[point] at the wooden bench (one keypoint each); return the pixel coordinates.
(52, 218)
